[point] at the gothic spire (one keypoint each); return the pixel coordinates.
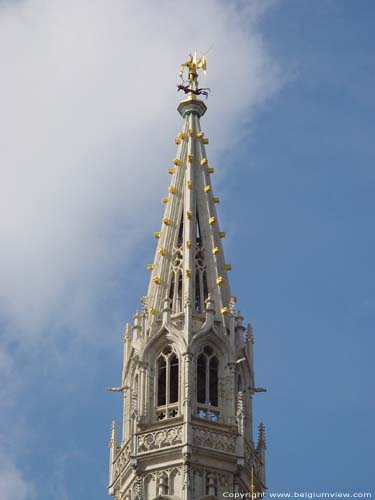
(188, 364)
(189, 260)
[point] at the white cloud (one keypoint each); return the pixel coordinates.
(87, 99)
(12, 485)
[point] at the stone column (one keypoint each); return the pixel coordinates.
(231, 388)
(187, 486)
(142, 392)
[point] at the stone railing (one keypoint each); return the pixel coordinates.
(214, 439)
(159, 439)
(166, 412)
(208, 412)
(121, 460)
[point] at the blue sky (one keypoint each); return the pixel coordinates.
(291, 139)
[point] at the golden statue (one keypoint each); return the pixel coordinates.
(193, 64)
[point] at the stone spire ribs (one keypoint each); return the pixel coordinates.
(189, 261)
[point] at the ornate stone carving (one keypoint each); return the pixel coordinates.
(252, 459)
(204, 478)
(217, 440)
(137, 489)
(159, 439)
(121, 460)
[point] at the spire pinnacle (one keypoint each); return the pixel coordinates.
(113, 440)
(261, 437)
(127, 332)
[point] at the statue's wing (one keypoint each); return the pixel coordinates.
(204, 64)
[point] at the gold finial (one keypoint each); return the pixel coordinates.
(192, 65)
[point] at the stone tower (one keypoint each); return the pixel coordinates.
(188, 377)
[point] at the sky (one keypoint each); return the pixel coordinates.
(88, 116)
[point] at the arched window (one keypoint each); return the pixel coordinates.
(207, 384)
(167, 384)
(176, 282)
(200, 281)
(162, 381)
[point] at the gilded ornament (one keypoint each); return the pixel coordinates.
(157, 234)
(192, 65)
(212, 220)
(207, 189)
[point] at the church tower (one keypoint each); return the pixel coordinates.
(188, 376)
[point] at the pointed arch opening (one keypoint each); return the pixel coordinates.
(179, 293)
(176, 281)
(200, 280)
(171, 288)
(198, 234)
(162, 381)
(180, 238)
(208, 384)
(167, 387)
